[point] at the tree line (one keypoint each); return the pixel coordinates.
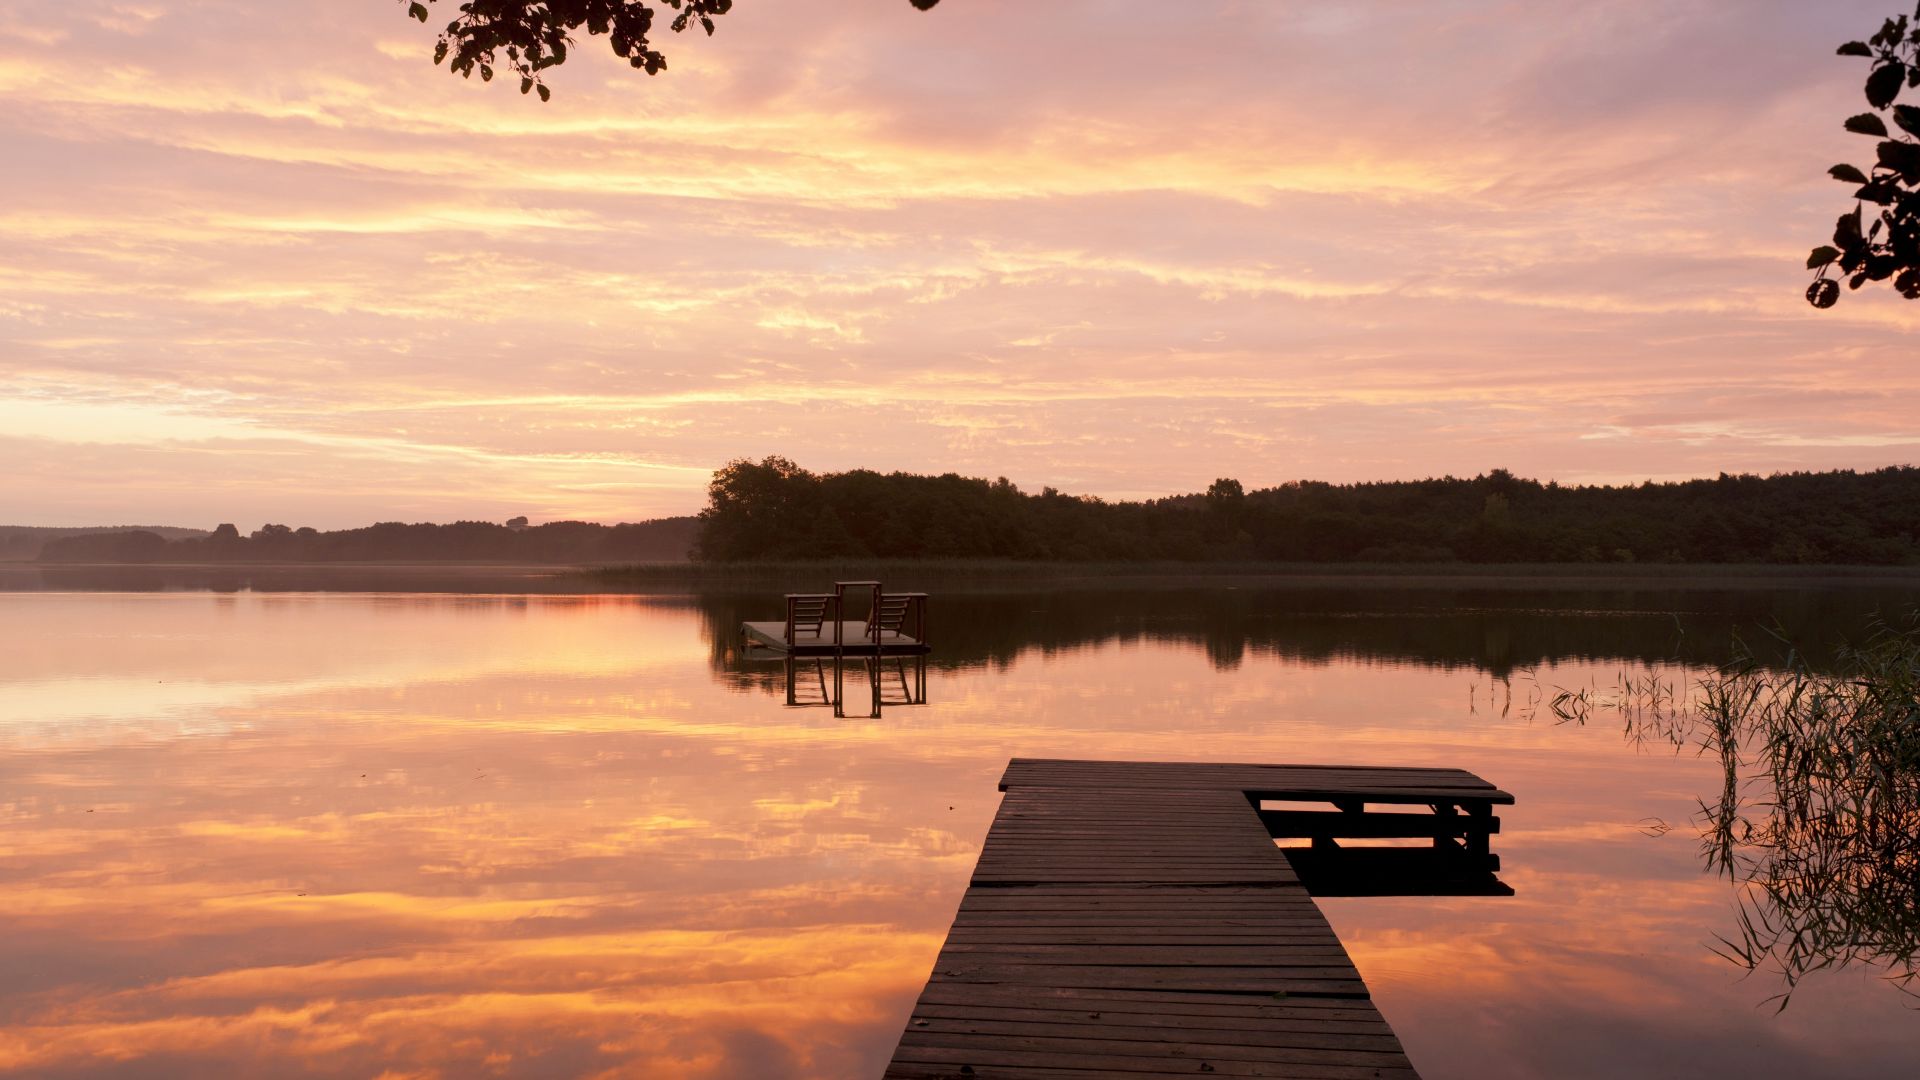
(578, 542)
(23, 543)
(775, 510)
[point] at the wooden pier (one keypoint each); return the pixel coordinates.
(1137, 919)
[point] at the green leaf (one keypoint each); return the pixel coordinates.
(526, 84)
(1851, 48)
(1884, 84)
(1867, 124)
(1822, 256)
(418, 11)
(1908, 117)
(545, 94)
(1848, 173)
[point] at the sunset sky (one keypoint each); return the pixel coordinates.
(265, 262)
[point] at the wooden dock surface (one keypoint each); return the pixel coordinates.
(853, 640)
(1136, 919)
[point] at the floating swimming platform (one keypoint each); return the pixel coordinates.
(816, 624)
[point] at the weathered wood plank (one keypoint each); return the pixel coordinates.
(1193, 1049)
(926, 1071)
(1155, 1026)
(1171, 1004)
(981, 1059)
(1290, 782)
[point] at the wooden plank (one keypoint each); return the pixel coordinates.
(1388, 783)
(980, 1060)
(1138, 1003)
(1298, 1024)
(1295, 823)
(1269, 1043)
(931, 1071)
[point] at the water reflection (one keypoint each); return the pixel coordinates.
(1506, 631)
(1816, 815)
(313, 834)
(822, 682)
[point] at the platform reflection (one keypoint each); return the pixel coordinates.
(854, 686)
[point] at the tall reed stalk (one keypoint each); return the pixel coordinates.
(1818, 818)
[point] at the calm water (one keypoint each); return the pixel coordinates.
(435, 834)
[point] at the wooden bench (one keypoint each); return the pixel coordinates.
(1136, 919)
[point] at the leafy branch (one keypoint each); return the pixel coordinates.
(1885, 242)
(534, 35)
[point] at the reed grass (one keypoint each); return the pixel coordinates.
(1816, 821)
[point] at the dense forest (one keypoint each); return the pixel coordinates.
(577, 542)
(775, 510)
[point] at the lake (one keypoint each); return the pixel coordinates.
(498, 827)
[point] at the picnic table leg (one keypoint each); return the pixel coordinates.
(1480, 830)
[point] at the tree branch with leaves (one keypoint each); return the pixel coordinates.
(534, 35)
(1882, 243)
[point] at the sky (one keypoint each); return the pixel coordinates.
(265, 262)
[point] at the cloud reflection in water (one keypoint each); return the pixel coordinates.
(451, 837)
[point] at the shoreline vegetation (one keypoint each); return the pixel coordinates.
(775, 514)
(949, 573)
(1624, 583)
(562, 543)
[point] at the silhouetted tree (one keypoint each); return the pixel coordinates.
(136, 546)
(759, 509)
(774, 509)
(1886, 242)
(535, 35)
